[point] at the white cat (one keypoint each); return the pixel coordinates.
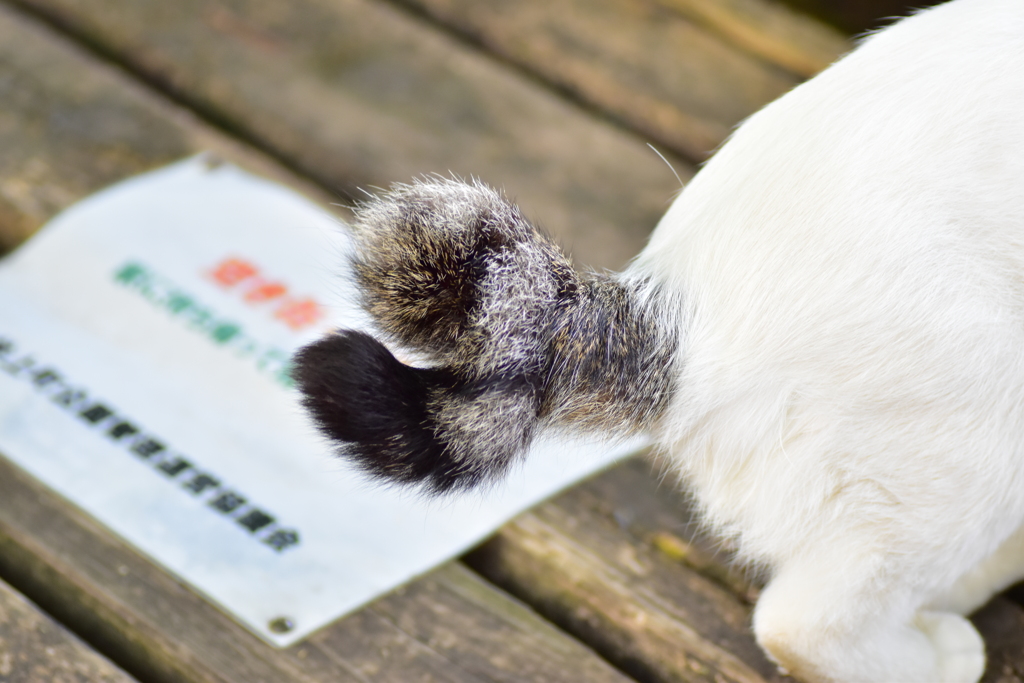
(825, 335)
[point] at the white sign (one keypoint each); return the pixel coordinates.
(145, 336)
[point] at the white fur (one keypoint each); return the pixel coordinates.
(850, 400)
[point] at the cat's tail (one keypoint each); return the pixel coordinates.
(515, 336)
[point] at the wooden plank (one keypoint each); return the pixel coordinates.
(138, 615)
(74, 112)
(67, 132)
(1001, 622)
(621, 563)
(656, 514)
(35, 648)
(648, 635)
(448, 626)
(681, 72)
(358, 92)
(769, 30)
(451, 626)
(587, 561)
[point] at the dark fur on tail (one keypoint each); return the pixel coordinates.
(516, 338)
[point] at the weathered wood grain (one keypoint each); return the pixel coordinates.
(56, 150)
(359, 93)
(1002, 624)
(681, 72)
(34, 648)
(657, 515)
(583, 561)
(769, 30)
(68, 130)
(642, 632)
(449, 627)
(531, 651)
(620, 562)
(136, 614)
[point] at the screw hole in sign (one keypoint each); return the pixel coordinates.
(281, 625)
(258, 289)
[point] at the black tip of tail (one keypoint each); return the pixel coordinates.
(521, 340)
(377, 410)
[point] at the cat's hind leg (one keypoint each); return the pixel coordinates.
(834, 617)
(996, 573)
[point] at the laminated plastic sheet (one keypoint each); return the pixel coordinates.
(145, 337)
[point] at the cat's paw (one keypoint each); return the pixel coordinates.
(960, 648)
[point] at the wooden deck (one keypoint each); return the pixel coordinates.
(610, 582)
